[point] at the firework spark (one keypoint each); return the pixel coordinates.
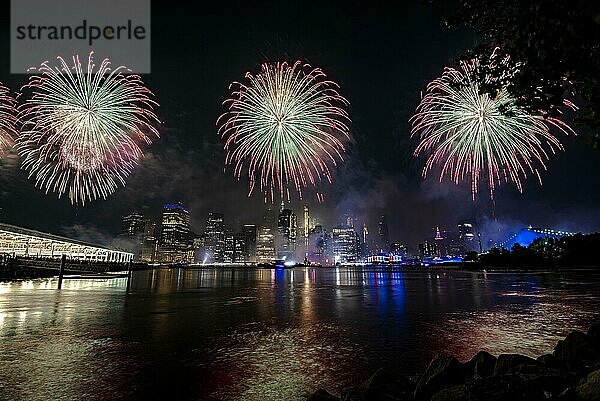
(8, 120)
(470, 134)
(285, 127)
(83, 129)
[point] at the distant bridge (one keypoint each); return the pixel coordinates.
(23, 242)
(529, 234)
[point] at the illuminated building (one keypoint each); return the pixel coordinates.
(132, 231)
(214, 238)
(383, 236)
(319, 246)
(287, 228)
(18, 241)
(382, 259)
(349, 220)
(236, 248)
(175, 237)
(249, 234)
(306, 224)
(240, 249)
(229, 250)
(427, 249)
(265, 238)
(149, 241)
(265, 245)
(365, 241)
(467, 237)
(466, 232)
(398, 249)
(132, 224)
(344, 244)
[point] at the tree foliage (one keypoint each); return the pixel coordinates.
(556, 44)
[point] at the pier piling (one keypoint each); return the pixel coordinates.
(61, 273)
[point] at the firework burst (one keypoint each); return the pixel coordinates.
(469, 134)
(285, 128)
(8, 120)
(83, 129)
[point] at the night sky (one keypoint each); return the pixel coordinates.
(382, 57)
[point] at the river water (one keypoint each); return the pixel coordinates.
(246, 334)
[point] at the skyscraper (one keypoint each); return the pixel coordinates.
(265, 238)
(214, 238)
(398, 249)
(383, 236)
(132, 224)
(287, 228)
(175, 237)
(466, 236)
(229, 250)
(132, 230)
(306, 224)
(365, 241)
(345, 245)
(249, 234)
(149, 242)
(265, 245)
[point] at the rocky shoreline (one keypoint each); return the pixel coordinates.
(570, 373)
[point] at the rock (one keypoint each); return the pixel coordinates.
(322, 395)
(588, 388)
(386, 384)
(482, 365)
(593, 336)
(456, 393)
(567, 395)
(575, 352)
(506, 362)
(503, 388)
(547, 360)
(443, 371)
(353, 394)
(495, 388)
(550, 380)
(383, 385)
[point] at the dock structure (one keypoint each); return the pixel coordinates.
(23, 242)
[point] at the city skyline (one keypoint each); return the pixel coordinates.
(168, 238)
(379, 176)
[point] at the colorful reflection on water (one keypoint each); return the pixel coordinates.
(252, 334)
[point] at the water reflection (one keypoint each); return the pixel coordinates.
(246, 334)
